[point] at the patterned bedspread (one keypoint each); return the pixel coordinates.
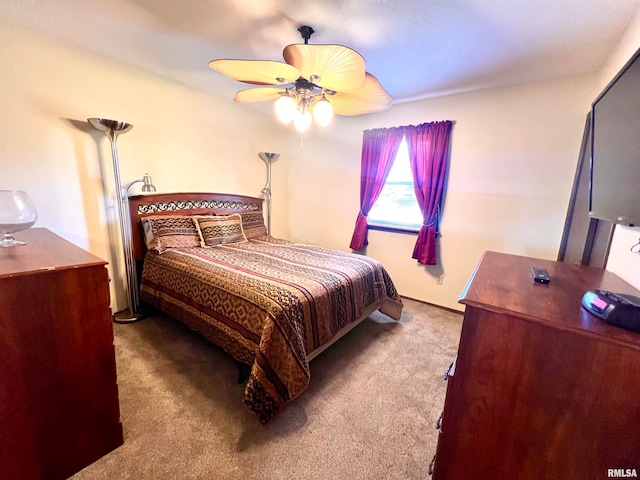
(269, 303)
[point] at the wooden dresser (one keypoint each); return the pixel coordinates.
(541, 388)
(59, 407)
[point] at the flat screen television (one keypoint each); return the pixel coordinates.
(615, 148)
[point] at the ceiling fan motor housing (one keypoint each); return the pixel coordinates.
(306, 33)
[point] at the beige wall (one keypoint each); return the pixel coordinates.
(514, 153)
(186, 140)
(513, 157)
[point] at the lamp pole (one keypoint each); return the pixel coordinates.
(113, 128)
(268, 158)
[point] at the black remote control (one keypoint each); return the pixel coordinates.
(540, 275)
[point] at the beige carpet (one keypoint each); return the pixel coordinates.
(368, 413)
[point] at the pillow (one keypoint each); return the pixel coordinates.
(221, 230)
(253, 224)
(162, 232)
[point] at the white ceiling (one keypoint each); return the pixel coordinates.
(416, 48)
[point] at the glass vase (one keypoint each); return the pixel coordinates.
(17, 212)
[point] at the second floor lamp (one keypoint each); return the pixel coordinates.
(268, 158)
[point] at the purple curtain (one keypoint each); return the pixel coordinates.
(379, 149)
(428, 146)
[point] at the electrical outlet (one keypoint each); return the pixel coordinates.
(439, 279)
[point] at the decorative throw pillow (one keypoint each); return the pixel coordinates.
(162, 232)
(253, 224)
(221, 230)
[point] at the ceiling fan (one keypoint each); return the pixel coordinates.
(315, 79)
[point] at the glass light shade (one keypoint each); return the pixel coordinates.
(302, 120)
(17, 212)
(323, 112)
(285, 108)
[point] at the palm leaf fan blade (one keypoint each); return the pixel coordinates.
(372, 98)
(258, 94)
(339, 68)
(256, 72)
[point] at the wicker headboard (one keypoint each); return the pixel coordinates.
(183, 204)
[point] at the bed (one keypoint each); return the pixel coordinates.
(206, 260)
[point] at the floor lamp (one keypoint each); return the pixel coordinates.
(112, 128)
(268, 158)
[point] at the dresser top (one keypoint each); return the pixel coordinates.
(502, 283)
(44, 252)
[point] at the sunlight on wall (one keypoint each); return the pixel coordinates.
(186, 140)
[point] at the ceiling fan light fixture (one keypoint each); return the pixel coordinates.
(323, 112)
(285, 108)
(302, 120)
(302, 85)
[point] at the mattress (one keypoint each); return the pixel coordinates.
(269, 303)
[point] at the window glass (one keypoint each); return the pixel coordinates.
(397, 206)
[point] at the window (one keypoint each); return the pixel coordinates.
(429, 144)
(396, 207)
